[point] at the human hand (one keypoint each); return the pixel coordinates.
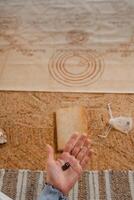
(77, 152)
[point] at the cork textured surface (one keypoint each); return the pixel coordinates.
(28, 120)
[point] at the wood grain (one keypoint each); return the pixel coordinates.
(68, 121)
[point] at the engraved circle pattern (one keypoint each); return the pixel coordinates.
(76, 68)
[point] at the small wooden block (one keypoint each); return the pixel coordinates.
(68, 121)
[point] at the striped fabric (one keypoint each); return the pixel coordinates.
(93, 185)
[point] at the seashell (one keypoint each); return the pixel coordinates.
(3, 137)
(122, 124)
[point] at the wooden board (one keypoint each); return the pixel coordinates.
(88, 47)
(68, 121)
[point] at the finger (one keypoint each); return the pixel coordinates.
(83, 151)
(82, 154)
(87, 157)
(87, 143)
(72, 141)
(50, 152)
(80, 142)
(84, 162)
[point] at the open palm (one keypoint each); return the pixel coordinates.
(77, 152)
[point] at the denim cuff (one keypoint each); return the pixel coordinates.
(50, 189)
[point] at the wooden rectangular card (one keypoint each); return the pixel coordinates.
(68, 121)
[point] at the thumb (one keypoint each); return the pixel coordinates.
(50, 152)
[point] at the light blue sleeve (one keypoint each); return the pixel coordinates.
(51, 193)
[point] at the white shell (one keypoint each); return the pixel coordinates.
(3, 137)
(123, 124)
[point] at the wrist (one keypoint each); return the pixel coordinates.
(62, 190)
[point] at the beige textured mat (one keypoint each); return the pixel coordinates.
(84, 46)
(93, 185)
